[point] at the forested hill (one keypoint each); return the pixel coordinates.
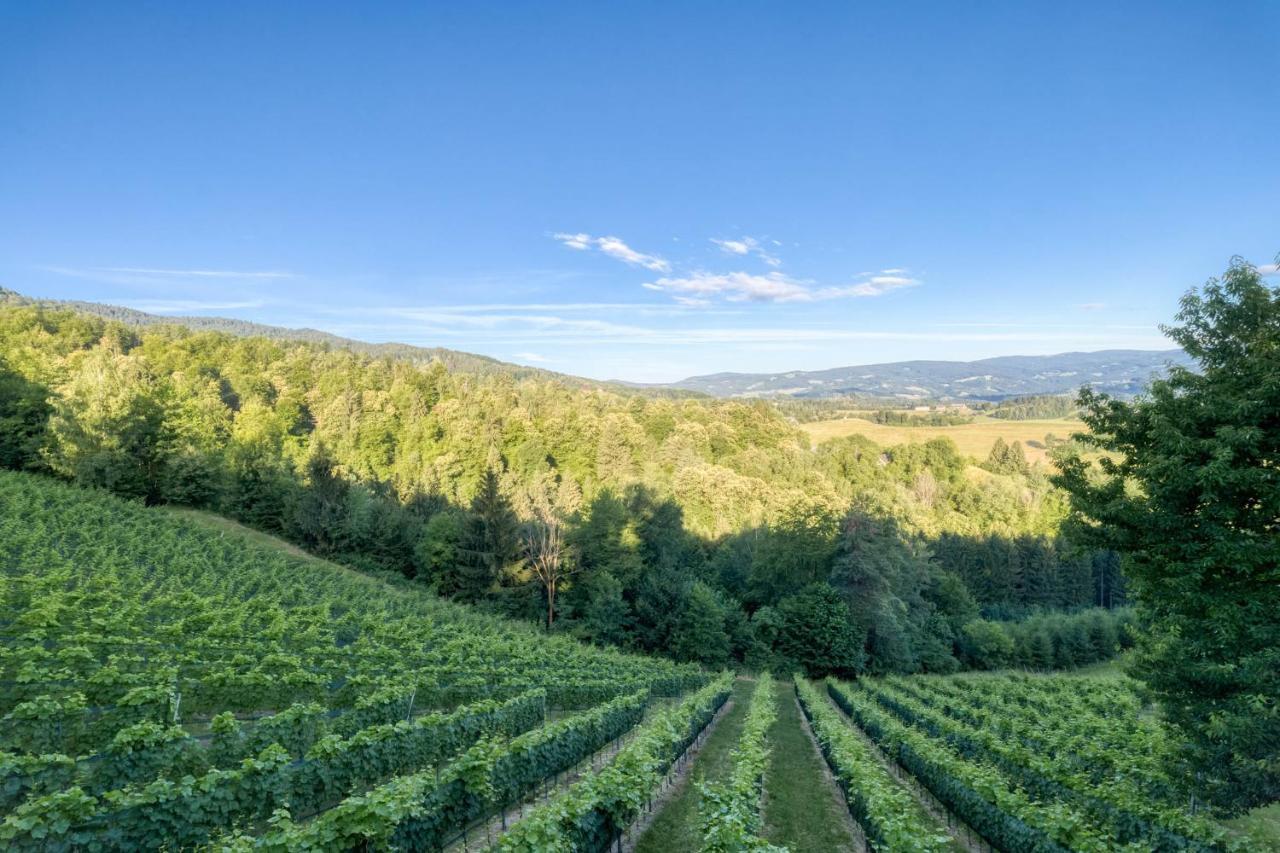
(1117, 372)
(452, 359)
(706, 529)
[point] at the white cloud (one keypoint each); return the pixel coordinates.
(875, 285)
(736, 286)
(575, 241)
(531, 356)
(734, 247)
(614, 247)
(771, 287)
(1091, 306)
(1269, 269)
(748, 246)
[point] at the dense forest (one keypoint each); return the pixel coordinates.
(707, 530)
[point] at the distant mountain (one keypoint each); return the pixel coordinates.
(1118, 372)
(462, 362)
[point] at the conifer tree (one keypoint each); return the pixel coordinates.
(491, 542)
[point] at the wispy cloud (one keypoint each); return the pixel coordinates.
(748, 246)
(183, 306)
(614, 247)
(115, 273)
(1091, 306)
(1269, 269)
(532, 330)
(532, 356)
(700, 287)
(202, 273)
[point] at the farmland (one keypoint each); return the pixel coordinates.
(166, 679)
(169, 675)
(973, 439)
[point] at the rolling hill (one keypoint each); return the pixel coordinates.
(1119, 372)
(454, 360)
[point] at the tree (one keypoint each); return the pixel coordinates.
(820, 635)
(794, 552)
(107, 427)
(606, 615)
(1007, 458)
(491, 543)
(436, 554)
(699, 633)
(319, 519)
(985, 645)
(547, 557)
(1190, 493)
(24, 413)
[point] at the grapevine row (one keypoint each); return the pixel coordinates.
(596, 811)
(731, 819)
(890, 818)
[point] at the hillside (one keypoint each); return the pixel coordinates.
(454, 360)
(1117, 372)
(127, 663)
(669, 523)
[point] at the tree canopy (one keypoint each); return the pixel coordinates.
(1189, 491)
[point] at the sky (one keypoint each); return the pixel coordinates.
(645, 191)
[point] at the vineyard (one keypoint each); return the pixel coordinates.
(165, 682)
(170, 683)
(1023, 762)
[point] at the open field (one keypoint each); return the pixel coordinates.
(973, 439)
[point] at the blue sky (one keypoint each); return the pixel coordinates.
(645, 191)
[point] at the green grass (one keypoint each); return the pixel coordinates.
(802, 809)
(1260, 827)
(676, 826)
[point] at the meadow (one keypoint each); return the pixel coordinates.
(973, 439)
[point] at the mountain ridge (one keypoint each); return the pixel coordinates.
(1122, 372)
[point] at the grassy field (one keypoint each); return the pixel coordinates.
(973, 439)
(677, 826)
(802, 812)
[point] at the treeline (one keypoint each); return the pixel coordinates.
(1047, 641)
(900, 417)
(1011, 575)
(1038, 407)
(705, 530)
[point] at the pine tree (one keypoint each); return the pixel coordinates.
(490, 543)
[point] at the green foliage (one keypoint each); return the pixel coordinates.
(424, 811)
(818, 633)
(888, 815)
(1077, 742)
(594, 812)
(1000, 811)
(986, 645)
(730, 812)
(1007, 458)
(699, 633)
(396, 464)
(124, 618)
(897, 417)
(1046, 641)
(1037, 407)
(1189, 491)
